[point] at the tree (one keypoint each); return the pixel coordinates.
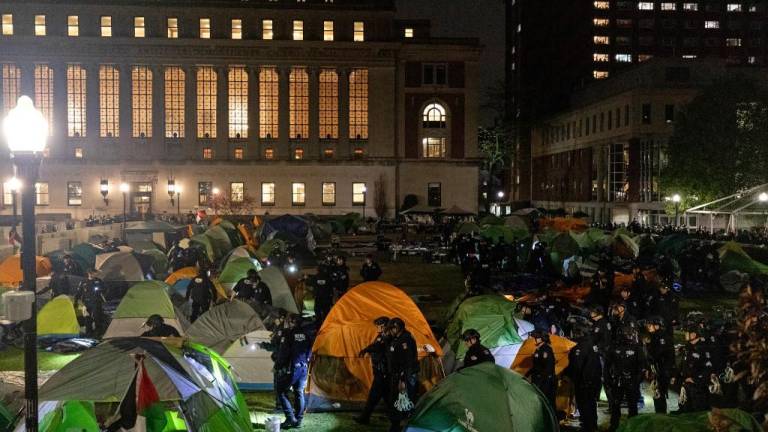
(720, 142)
(380, 197)
(222, 204)
(496, 149)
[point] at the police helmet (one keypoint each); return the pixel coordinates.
(397, 324)
(252, 272)
(597, 310)
(470, 334)
(540, 334)
(381, 321)
(155, 320)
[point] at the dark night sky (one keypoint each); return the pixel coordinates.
(466, 18)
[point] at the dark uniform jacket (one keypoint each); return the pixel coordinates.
(696, 363)
(625, 365)
(477, 354)
(201, 290)
(164, 330)
(378, 351)
(584, 367)
(402, 357)
(91, 292)
(370, 272)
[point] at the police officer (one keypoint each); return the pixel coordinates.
(695, 371)
(251, 288)
(542, 374)
(585, 370)
(323, 290)
(60, 282)
(380, 387)
(340, 277)
(639, 290)
(660, 351)
(90, 293)
(665, 304)
(476, 352)
(631, 301)
(370, 271)
(202, 292)
(293, 363)
(625, 366)
(619, 320)
(600, 329)
(402, 369)
(158, 328)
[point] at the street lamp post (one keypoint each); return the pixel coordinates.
(500, 196)
(124, 188)
(676, 199)
(172, 190)
(104, 189)
(26, 132)
(365, 200)
(178, 201)
(13, 185)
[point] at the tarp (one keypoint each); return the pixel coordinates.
(560, 346)
(119, 266)
(491, 220)
(483, 398)
(337, 372)
(205, 244)
(10, 269)
(727, 420)
(142, 300)
(183, 273)
(733, 257)
(57, 319)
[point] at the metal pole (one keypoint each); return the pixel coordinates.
(365, 201)
(28, 170)
(178, 205)
(15, 217)
(124, 217)
(677, 210)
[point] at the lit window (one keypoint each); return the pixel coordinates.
(733, 42)
(329, 194)
(299, 194)
(237, 29)
(41, 194)
(73, 26)
(205, 28)
(269, 153)
(733, 7)
(298, 154)
(267, 30)
(269, 102)
(238, 102)
(434, 117)
(359, 31)
(645, 5)
(139, 30)
(624, 58)
(358, 104)
(239, 153)
(600, 57)
(433, 147)
(206, 102)
(173, 28)
(689, 57)
(358, 193)
(76, 101)
(109, 101)
(711, 24)
(237, 192)
(39, 25)
(329, 104)
(602, 5)
(643, 57)
(106, 26)
(668, 6)
(174, 102)
(44, 93)
(600, 74)
(11, 86)
(207, 153)
(267, 194)
(408, 33)
(299, 103)
(601, 40)
(601, 22)
(204, 192)
(328, 153)
(328, 31)
(141, 101)
(7, 25)
(74, 193)
(691, 6)
(78, 153)
(298, 30)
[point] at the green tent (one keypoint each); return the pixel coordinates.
(57, 319)
(733, 257)
(232, 232)
(269, 246)
(71, 416)
(204, 242)
(491, 315)
(483, 398)
(732, 420)
(159, 261)
(624, 246)
(6, 418)
(564, 246)
(237, 269)
(468, 228)
(219, 240)
(672, 244)
(86, 253)
(646, 244)
(495, 233)
(491, 220)
(142, 300)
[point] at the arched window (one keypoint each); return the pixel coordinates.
(434, 116)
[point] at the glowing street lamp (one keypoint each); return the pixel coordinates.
(104, 189)
(172, 190)
(763, 197)
(676, 199)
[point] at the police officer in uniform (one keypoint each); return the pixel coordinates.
(293, 363)
(323, 290)
(402, 369)
(620, 319)
(660, 351)
(158, 328)
(251, 288)
(585, 370)
(91, 294)
(695, 371)
(665, 304)
(625, 366)
(542, 374)
(370, 271)
(601, 329)
(380, 387)
(476, 352)
(340, 277)
(202, 292)
(60, 283)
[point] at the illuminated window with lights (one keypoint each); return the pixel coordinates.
(204, 192)
(299, 103)
(434, 116)
(44, 93)
(73, 26)
(269, 103)
(174, 102)
(358, 153)
(601, 22)
(298, 154)
(602, 5)
(79, 153)
(601, 58)
(691, 6)
(329, 153)
(359, 191)
(408, 33)
(645, 5)
(269, 153)
(141, 101)
(11, 86)
(76, 101)
(7, 23)
(74, 193)
(329, 104)
(173, 28)
(106, 26)
(298, 30)
(299, 195)
(237, 192)
(358, 104)
(267, 30)
(329, 194)
(239, 153)
(139, 30)
(433, 148)
(359, 35)
(668, 6)
(600, 74)
(734, 7)
(435, 132)
(601, 40)
(205, 28)
(328, 34)
(238, 102)
(206, 102)
(40, 29)
(42, 198)
(207, 153)
(268, 194)
(624, 58)
(237, 29)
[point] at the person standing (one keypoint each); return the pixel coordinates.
(542, 374)
(293, 360)
(695, 371)
(665, 304)
(90, 293)
(380, 387)
(586, 371)
(244, 288)
(323, 291)
(370, 271)
(660, 350)
(476, 352)
(340, 277)
(402, 369)
(202, 292)
(625, 365)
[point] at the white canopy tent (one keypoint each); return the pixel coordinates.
(750, 202)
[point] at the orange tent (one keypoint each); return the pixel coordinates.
(337, 373)
(560, 346)
(560, 224)
(10, 269)
(184, 273)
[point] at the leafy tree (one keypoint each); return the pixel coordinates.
(222, 204)
(496, 149)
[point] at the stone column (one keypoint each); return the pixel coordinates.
(284, 140)
(344, 151)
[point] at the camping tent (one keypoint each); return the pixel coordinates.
(282, 297)
(219, 240)
(237, 269)
(468, 228)
(733, 257)
(121, 266)
(238, 252)
(188, 375)
(10, 269)
(87, 253)
(337, 372)
(560, 346)
(141, 301)
(483, 398)
(295, 226)
(57, 319)
(234, 330)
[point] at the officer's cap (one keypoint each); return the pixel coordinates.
(381, 321)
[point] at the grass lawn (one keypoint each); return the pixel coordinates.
(12, 359)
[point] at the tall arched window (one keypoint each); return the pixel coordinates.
(434, 116)
(434, 136)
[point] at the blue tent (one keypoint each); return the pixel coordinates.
(293, 226)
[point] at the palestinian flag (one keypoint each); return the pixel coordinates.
(141, 407)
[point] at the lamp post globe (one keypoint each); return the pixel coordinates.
(763, 197)
(676, 198)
